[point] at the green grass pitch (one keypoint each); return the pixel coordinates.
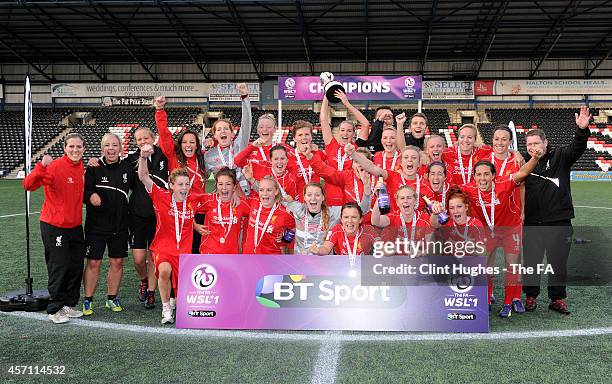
(101, 355)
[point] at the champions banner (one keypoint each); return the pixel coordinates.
(543, 87)
(294, 292)
(357, 87)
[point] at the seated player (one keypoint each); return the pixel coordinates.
(406, 222)
(349, 237)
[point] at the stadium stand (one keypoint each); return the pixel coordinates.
(46, 124)
(123, 122)
(93, 123)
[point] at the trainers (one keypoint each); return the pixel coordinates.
(506, 311)
(517, 306)
(559, 306)
(113, 305)
(71, 312)
(142, 291)
(59, 317)
(150, 302)
(530, 304)
(87, 308)
(167, 316)
(173, 303)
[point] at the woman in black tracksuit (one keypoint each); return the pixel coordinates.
(142, 220)
(106, 224)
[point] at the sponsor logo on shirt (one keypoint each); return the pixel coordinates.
(125, 178)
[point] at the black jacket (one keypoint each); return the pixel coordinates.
(411, 140)
(112, 182)
(373, 143)
(140, 202)
(544, 201)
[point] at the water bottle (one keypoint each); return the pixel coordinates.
(384, 202)
(288, 235)
(442, 216)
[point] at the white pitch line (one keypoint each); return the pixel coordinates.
(588, 206)
(18, 214)
(321, 336)
(326, 365)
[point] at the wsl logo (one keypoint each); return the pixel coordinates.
(289, 90)
(204, 277)
(461, 283)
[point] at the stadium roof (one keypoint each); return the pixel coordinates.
(93, 33)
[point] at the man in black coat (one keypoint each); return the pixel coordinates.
(548, 213)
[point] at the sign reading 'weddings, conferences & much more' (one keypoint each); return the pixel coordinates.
(129, 89)
(357, 87)
(296, 292)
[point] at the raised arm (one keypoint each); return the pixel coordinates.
(39, 175)
(400, 138)
(241, 159)
(573, 151)
(143, 167)
(526, 169)
(366, 164)
(325, 121)
(166, 143)
(246, 122)
(363, 121)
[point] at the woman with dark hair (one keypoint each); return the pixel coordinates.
(492, 198)
(61, 229)
(349, 237)
(222, 220)
(186, 152)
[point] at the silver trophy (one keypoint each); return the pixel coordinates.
(331, 86)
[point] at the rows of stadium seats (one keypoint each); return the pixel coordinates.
(558, 124)
(45, 126)
(124, 122)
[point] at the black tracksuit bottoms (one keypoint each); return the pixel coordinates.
(553, 239)
(64, 251)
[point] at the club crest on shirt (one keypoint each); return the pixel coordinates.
(70, 181)
(104, 179)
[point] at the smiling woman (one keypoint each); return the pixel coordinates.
(60, 225)
(106, 190)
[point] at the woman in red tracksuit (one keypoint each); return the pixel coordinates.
(187, 153)
(61, 227)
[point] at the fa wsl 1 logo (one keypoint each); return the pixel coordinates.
(203, 278)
